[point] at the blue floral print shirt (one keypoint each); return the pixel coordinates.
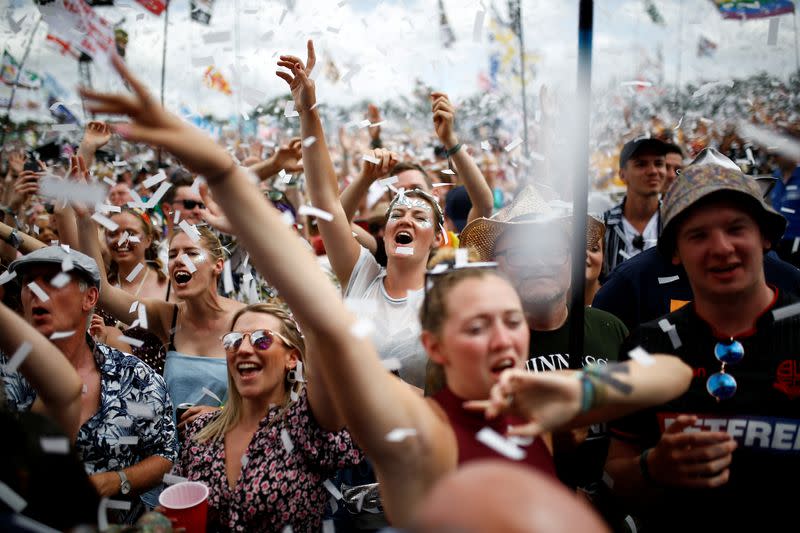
(134, 420)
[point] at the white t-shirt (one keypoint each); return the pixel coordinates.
(650, 235)
(397, 330)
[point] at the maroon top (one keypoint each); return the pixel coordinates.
(467, 423)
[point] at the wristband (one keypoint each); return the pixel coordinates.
(14, 240)
(644, 468)
(452, 151)
(588, 396)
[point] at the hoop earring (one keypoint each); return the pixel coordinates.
(291, 377)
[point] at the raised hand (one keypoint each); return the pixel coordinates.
(374, 116)
(300, 84)
(16, 162)
(386, 162)
(26, 184)
(288, 156)
(213, 213)
(698, 459)
(154, 125)
(546, 399)
(443, 118)
(96, 135)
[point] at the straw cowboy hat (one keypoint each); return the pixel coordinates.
(528, 207)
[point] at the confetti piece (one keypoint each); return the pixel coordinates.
(171, 479)
(462, 257)
(442, 185)
(205, 61)
(624, 254)
(156, 197)
(327, 525)
(133, 273)
(190, 230)
(708, 87)
(363, 124)
(405, 250)
(309, 210)
(227, 277)
(669, 279)
(289, 111)
(37, 290)
(287, 529)
(500, 444)
(385, 182)
(216, 37)
(486, 146)
(786, 312)
(71, 192)
(7, 276)
(244, 460)
(60, 280)
(513, 144)
(392, 364)
(308, 141)
(641, 356)
(118, 504)
(637, 83)
(54, 445)
(106, 208)
(287, 441)
(678, 125)
(795, 244)
(782, 144)
(155, 178)
(29, 524)
(328, 484)
(210, 393)
(16, 502)
(772, 34)
(787, 210)
(448, 172)
(671, 331)
(608, 480)
(363, 328)
(56, 335)
(104, 221)
(128, 441)
(400, 434)
(136, 343)
(176, 218)
(109, 182)
(477, 26)
(142, 315)
(141, 410)
(369, 158)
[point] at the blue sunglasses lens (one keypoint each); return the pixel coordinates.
(729, 353)
(721, 386)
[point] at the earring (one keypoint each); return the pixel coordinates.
(291, 377)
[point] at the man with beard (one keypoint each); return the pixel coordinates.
(529, 239)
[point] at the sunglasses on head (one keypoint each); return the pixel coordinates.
(191, 204)
(260, 339)
(721, 385)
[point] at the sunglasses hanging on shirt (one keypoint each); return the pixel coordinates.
(638, 242)
(722, 385)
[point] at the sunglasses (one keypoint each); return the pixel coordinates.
(261, 339)
(191, 204)
(721, 385)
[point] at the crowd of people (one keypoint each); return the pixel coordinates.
(352, 335)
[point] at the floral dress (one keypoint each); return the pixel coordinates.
(283, 471)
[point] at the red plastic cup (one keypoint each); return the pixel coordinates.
(186, 504)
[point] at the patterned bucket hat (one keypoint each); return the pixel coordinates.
(712, 173)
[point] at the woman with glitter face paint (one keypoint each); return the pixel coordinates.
(195, 368)
(473, 320)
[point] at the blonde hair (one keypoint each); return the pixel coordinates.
(433, 313)
(150, 254)
(227, 418)
(208, 238)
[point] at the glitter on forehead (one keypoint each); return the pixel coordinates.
(411, 202)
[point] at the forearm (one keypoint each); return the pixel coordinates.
(29, 243)
(624, 467)
(353, 194)
(56, 382)
(265, 169)
(322, 184)
(148, 473)
(480, 194)
(67, 226)
(87, 154)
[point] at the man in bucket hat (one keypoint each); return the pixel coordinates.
(714, 457)
(530, 240)
(127, 439)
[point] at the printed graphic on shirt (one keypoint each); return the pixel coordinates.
(559, 361)
(767, 433)
(787, 378)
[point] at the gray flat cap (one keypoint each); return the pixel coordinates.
(82, 264)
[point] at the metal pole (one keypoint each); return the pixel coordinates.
(238, 75)
(518, 18)
(680, 48)
(19, 74)
(164, 62)
(580, 174)
(796, 47)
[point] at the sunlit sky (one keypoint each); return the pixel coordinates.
(390, 43)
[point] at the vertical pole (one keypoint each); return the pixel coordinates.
(580, 175)
(796, 47)
(19, 74)
(163, 62)
(517, 21)
(680, 49)
(238, 75)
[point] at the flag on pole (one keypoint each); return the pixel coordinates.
(448, 37)
(75, 22)
(743, 10)
(201, 10)
(10, 69)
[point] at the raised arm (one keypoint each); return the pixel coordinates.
(95, 136)
(286, 157)
(372, 401)
(57, 384)
(370, 171)
(480, 194)
(343, 250)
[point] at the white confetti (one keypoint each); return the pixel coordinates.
(405, 250)
(133, 273)
(156, 197)
(363, 124)
(608, 480)
(104, 221)
(391, 180)
(289, 111)
(708, 87)
(216, 37)
(56, 335)
(287, 441)
(772, 33)
(118, 504)
(787, 210)
(671, 331)
(486, 146)
(287, 529)
(641, 356)
(155, 178)
(513, 144)
(462, 257)
(400, 434)
(71, 192)
(7, 276)
(308, 141)
(136, 343)
(67, 264)
(391, 364)
(60, 280)
(668, 279)
(369, 158)
(786, 312)
(795, 244)
(16, 502)
(330, 487)
(37, 290)
(500, 444)
(310, 210)
(448, 172)
(190, 230)
(363, 328)
(227, 277)
(141, 410)
(29, 524)
(54, 445)
(205, 61)
(327, 525)
(128, 441)
(477, 26)
(210, 393)
(171, 479)
(678, 125)
(133, 307)
(142, 315)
